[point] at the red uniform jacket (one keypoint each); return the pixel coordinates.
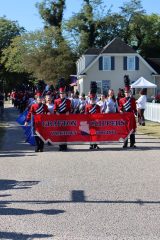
(37, 109)
(92, 108)
(62, 105)
(127, 105)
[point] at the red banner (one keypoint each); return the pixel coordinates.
(79, 128)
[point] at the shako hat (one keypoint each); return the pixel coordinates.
(61, 85)
(93, 89)
(126, 83)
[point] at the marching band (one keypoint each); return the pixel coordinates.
(48, 100)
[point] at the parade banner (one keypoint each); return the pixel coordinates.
(87, 128)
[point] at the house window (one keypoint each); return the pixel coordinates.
(106, 63)
(99, 87)
(103, 86)
(130, 63)
(106, 85)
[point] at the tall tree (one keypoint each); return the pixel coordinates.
(129, 11)
(52, 13)
(83, 26)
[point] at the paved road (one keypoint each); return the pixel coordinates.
(110, 194)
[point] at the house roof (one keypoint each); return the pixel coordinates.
(117, 46)
(154, 63)
(92, 51)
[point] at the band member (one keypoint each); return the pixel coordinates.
(62, 105)
(101, 102)
(76, 103)
(49, 103)
(92, 107)
(35, 109)
(82, 104)
(120, 94)
(128, 104)
(110, 105)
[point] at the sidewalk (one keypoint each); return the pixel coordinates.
(14, 140)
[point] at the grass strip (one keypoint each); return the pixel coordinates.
(151, 128)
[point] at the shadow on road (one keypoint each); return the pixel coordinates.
(21, 236)
(6, 184)
(115, 149)
(13, 184)
(5, 211)
(77, 196)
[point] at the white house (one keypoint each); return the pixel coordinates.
(108, 66)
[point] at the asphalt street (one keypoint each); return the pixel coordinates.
(106, 194)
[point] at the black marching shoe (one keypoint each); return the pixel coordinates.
(36, 149)
(60, 148)
(96, 146)
(132, 146)
(65, 148)
(124, 146)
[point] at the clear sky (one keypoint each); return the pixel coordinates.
(25, 12)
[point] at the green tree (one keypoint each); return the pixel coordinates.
(108, 28)
(83, 26)
(39, 54)
(151, 36)
(129, 12)
(52, 13)
(8, 30)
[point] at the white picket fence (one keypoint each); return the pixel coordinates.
(152, 112)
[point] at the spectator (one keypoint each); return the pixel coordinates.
(141, 105)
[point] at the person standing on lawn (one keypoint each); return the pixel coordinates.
(141, 105)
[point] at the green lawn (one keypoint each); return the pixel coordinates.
(151, 128)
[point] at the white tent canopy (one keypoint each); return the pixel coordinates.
(143, 83)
